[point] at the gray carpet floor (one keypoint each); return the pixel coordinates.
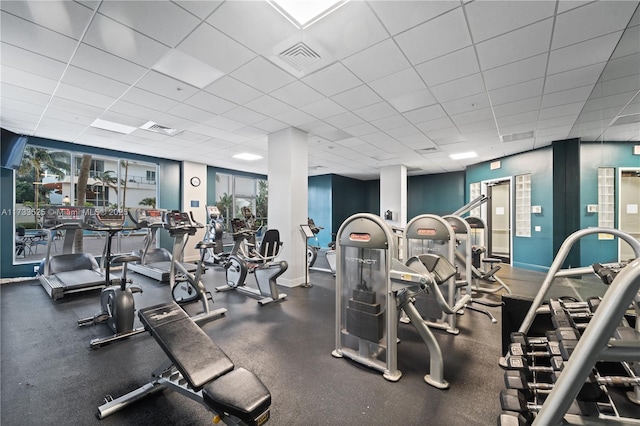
(49, 375)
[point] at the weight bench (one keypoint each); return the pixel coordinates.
(198, 369)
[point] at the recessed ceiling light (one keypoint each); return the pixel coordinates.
(187, 69)
(463, 155)
(304, 13)
(113, 127)
(247, 156)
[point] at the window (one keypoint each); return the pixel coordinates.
(606, 200)
(46, 178)
(523, 205)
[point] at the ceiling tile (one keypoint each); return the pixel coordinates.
(466, 104)
(190, 112)
(332, 80)
(412, 100)
(360, 129)
(578, 94)
(528, 89)
(103, 63)
(425, 114)
(148, 99)
(449, 67)
(455, 89)
(201, 9)
(233, 90)
(133, 110)
(64, 17)
(91, 81)
(295, 118)
(377, 61)
(401, 15)
(27, 80)
(262, 75)
(434, 125)
(323, 108)
(400, 83)
(582, 54)
(573, 78)
(225, 123)
(516, 45)
(344, 120)
(375, 111)
(434, 38)
(29, 36)
(216, 49)
(120, 40)
(590, 21)
(516, 72)
(561, 110)
(211, 103)
(349, 29)
(297, 94)
(270, 125)
(88, 97)
(622, 67)
(163, 21)
(488, 19)
(357, 97)
(166, 86)
(31, 62)
(517, 107)
(260, 27)
(268, 105)
(244, 115)
(473, 116)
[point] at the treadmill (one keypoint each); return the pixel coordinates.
(154, 262)
(68, 272)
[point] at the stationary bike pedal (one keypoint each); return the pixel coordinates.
(209, 296)
(108, 398)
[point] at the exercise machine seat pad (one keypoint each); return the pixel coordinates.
(193, 353)
(239, 393)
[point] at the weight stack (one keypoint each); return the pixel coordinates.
(364, 317)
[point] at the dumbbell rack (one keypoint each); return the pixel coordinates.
(605, 341)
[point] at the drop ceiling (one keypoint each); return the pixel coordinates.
(375, 83)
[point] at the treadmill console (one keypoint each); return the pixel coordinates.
(146, 218)
(213, 212)
(66, 215)
(105, 220)
(177, 219)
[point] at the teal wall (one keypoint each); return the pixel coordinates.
(333, 198)
(320, 207)
(438, 194)
(535, 252)
(594, 155)
(168, 198)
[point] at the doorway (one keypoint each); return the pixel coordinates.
(499, 220)
(628, 214)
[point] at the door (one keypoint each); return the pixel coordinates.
(628, 209)
(499, 220)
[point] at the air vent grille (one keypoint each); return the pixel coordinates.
(300, 56)
(518, 136)
(157, 128)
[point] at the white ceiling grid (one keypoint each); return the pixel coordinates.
(403, 82)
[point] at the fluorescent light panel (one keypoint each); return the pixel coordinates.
(247, 156)
(187, 69)
(112, 127)
(463, 155)
(303, 14)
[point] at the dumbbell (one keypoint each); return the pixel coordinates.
(514, 400)
(559, 333)
(514, 379)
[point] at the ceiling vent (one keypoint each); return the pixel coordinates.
(429, 150)
(157, 128)
(626, 119)
(518, 136)
(300, 55)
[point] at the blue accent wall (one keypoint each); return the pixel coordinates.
(535, 252)
(438, 194)
(169, 198)
(320, 206)
(594, 155)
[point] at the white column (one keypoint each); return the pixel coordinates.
(287, 164)
(194, 198)
(393, 194)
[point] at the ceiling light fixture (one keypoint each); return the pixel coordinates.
(463, 155)
(247, 156)
(112, 127)
(303, 14)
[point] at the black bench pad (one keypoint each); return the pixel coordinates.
(239, 393)
(193, 353)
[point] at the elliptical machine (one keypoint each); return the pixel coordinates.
(214, 254)
(187, 287)
(116, 299)
(312, 251)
